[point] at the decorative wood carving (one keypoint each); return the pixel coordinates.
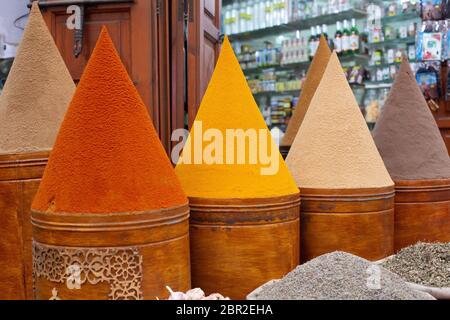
(121, 268)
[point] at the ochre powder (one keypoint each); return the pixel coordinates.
(228, 104)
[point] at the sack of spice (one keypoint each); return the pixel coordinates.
(194, 294)
(425, 266)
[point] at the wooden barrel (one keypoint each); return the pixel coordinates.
(357, 221)
(284, 150)
(20, 175)
(422, 212)
(118, 256)
(239, 244)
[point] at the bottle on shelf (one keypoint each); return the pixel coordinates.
(269, 13)
(243, 17)
(249, 15)
(344, 5)
(235, 18)
(338, 39)
(261, 5)
(284, 4)
(226, 19)
(318, 34)
(346, 39)
(333, 6)
(325, 31)
(312, 43)
(276, 13)
(354, 38)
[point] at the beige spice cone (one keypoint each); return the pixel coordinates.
(37, 92)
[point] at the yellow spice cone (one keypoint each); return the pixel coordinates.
(309, 87)
(37, 92)
(228, 104)
(334, 148)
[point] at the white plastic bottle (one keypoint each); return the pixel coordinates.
(227, 20)
(242, 17)
(235, 16)
(261, 13)
(269, 13)
(249, 15)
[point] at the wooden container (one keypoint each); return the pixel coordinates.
(284, 150)
(422, 212)
(357, 221)
(115, 256)
(237, 245)
(20, 175)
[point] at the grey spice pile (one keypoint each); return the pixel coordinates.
(424, 263)
(339, 276)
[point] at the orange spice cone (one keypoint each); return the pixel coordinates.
(309, 87)
(347, 193)
(32, 106)
(112, 191)
(243, 217)
(412, 147)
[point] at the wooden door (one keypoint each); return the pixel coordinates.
(203, 49)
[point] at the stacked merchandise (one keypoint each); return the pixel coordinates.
(391, 34)
(252, 15)
(433, 48)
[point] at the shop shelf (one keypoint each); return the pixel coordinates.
(400, 18)
(392, 42)
(304, 24)
(384, 65)
(357, 58)
(277, 93)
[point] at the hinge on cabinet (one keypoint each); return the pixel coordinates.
(181, 10)
(190, 12)
(78, 35)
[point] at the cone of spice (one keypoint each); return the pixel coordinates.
(347, 193)
(412, 147)
(32, 106)
(244, 225)
(110, 220)
(309, 88)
